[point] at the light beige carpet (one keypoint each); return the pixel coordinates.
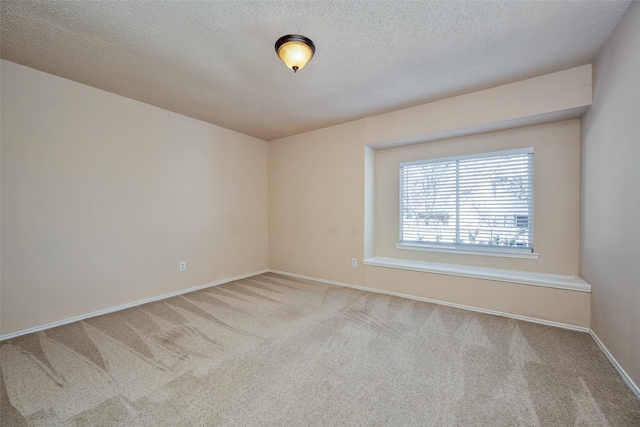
(273, 350)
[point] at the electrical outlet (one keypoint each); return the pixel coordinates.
(354, 262)
(183, 266)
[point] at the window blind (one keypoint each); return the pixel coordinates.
(484, 200)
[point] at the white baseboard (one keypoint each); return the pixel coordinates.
(435, 301)
(625, 377)
(123, 306)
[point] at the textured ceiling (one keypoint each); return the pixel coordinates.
(215, 60)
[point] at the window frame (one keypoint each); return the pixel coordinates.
(485, 250)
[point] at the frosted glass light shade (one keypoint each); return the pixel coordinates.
(295, 50)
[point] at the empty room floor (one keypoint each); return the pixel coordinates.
(275, 350)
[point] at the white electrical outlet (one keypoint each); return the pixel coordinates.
(354, 262)
(183, 266)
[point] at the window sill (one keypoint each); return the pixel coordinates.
(559, 281)
(481, 252)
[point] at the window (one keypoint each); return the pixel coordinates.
(479, 202)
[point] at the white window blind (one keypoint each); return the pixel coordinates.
(480, 201)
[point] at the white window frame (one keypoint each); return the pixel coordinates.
(500, 251)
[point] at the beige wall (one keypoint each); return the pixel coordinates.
(561, 91)
(317, 195)
(557, 305)
(103, 196)
(610, 252)
(556, 192)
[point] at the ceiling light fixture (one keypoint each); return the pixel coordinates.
(295, 50)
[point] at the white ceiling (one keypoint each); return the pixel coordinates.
(215, 60)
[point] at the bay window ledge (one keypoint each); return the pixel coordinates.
(560, 281)
(481, 250)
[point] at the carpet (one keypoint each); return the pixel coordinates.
(275, 350)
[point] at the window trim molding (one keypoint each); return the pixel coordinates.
(495, 251)
(549, 280)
